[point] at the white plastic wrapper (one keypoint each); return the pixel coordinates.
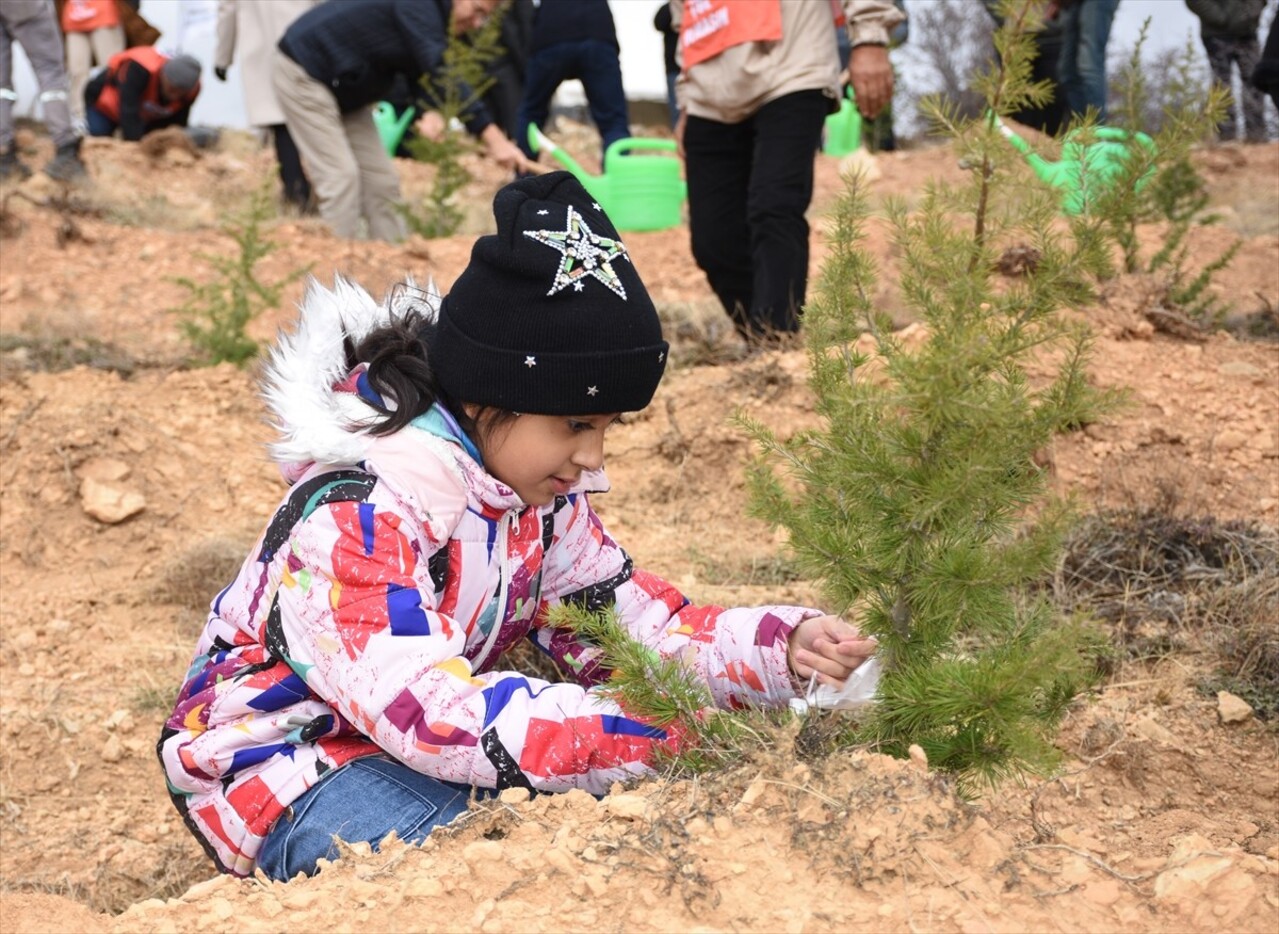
(858, 691)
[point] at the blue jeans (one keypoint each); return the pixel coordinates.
(1081, 69)
(590, 61)
(363, 801)
(99, 123)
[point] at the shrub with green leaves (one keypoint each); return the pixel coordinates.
(216, 314)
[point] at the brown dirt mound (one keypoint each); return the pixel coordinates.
(125, 494)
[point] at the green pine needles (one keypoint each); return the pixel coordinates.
(659, 690)
(462, 80)
(1174, 194)
(918, 502)
(216, 314)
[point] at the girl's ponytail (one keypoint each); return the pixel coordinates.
(398, 369)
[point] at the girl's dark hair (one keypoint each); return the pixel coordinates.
(396, 354)
(399, 367)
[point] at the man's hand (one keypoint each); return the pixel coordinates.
(505, 153)
(872, 79)
(219, 73)
(431, 126)
(829, 647)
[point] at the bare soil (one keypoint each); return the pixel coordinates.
(1164, 818)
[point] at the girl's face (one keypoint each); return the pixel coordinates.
(541, 457)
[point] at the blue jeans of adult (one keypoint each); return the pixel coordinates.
(749, 184)
(590, 61)
(99, 124)
(362, 801)
(1081, 69)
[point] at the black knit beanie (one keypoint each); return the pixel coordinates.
(549, 317)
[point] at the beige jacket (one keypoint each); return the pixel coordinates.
(248, 31)
(730, 87)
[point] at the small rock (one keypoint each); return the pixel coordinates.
(626, 806)
(1240, 368)
(918, 757)
(207, 887)
(1151, 729)
(1232, 709)
(482, 851)
(109, 504)
(514, 795)
(112, 750)
(1230, 440)
(103, 469)
(299, 899)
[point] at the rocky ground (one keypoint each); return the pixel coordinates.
(131, 484)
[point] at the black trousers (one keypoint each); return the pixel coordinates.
(749, 185)
(297, 189)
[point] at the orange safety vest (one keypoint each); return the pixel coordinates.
(711, 26)
(152, 59)
(89, 15)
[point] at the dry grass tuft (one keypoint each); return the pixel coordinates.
(193, 578)
(1163, 580)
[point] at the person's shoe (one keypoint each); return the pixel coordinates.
(66, 165)
(11, 166)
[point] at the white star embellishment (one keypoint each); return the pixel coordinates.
(530, 362)
(592, 390)
(596, 205)
(583, 254)
(543, 211)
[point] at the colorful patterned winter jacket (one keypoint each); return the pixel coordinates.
(372, 614)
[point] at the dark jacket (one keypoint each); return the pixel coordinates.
(357, 47)
(1228, 19)
(572, 21)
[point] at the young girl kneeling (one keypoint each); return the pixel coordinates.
(348, 681)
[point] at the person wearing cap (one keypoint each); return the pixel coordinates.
(351, 680)
(141, 90)
(335, 63)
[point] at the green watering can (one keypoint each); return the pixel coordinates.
(391, 128)
(1086, 168)
(843, 128)
(637, 191)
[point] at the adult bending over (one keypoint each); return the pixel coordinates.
(338, 60)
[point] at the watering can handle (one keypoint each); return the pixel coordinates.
(636, 142)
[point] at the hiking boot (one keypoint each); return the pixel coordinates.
(66, 165)
(11, 165)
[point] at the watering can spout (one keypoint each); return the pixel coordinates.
(1049, 172)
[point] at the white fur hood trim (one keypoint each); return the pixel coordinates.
(317, 424)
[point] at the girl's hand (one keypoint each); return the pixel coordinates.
(828, 647)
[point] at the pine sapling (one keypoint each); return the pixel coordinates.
(1162, 185)
(461, 81)
(919, 501)
(216, 314)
